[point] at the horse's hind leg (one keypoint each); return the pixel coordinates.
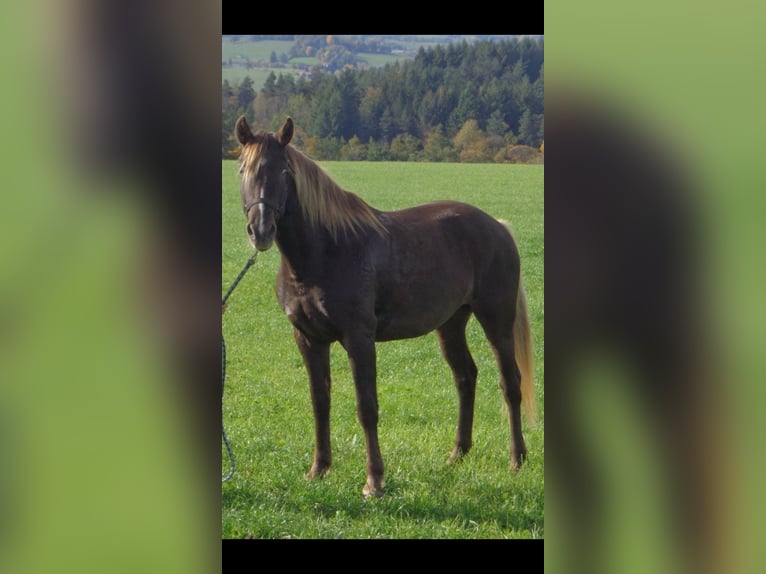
(498, 326)
(455, 351)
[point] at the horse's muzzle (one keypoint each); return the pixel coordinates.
(262, 236)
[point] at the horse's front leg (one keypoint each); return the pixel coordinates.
(316, 357)
(361, 354)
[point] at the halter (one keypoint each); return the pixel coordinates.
(278, 210)
(253, 202)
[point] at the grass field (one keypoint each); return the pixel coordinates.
(267, 408)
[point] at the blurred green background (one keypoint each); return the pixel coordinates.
(688, 74)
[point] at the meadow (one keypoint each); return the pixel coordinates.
(267, 408)
(238, 53)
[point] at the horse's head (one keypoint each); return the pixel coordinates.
(266, 180)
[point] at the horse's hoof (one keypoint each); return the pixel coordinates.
(372, 491)
(457, 455)
(317, 472)
(517, 462)
(367, 493)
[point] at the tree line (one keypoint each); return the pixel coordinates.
(478, 102)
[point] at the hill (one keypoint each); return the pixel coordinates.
(259, 55)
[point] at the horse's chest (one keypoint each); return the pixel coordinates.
(306, 310)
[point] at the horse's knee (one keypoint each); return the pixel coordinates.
(466, 386)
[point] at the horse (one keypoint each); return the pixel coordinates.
(356, 275)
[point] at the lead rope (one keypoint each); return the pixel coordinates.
(223, 364)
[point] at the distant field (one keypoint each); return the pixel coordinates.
(267, 408)
(380, 60)
(244, 50)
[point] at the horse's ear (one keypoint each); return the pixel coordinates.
(244, 135)
(285, 133)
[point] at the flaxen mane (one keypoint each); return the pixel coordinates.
(324, 202)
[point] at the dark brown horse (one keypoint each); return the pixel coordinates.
(357, 275)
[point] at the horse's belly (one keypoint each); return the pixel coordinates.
(391, 331)
(396, 332)
(404, 322)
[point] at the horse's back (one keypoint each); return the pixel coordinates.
(440, 257)
(453, 220)
(453, 233)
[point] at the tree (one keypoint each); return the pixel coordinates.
(245, 94)
(437, 147)
(327, 149)
(471, 143)
(496, 126)
(348, 121)
(265, 109)
(467, 106)
(377, 151)
(230, 112)
(523, 154)
(270, 86)
(326, 109)
(299, 107)
(497, 129)
(285, 86)
(529, 128)
(353, 150)
(370, 110)
(404, 147)
(386, 125)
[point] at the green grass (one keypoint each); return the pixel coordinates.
(267, 409)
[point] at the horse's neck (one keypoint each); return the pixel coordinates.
(299, 243)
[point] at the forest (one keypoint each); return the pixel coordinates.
(479, 102)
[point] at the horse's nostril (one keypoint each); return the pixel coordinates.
(250, 230)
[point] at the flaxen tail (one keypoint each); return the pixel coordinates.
(522, 339)
(522, 346)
